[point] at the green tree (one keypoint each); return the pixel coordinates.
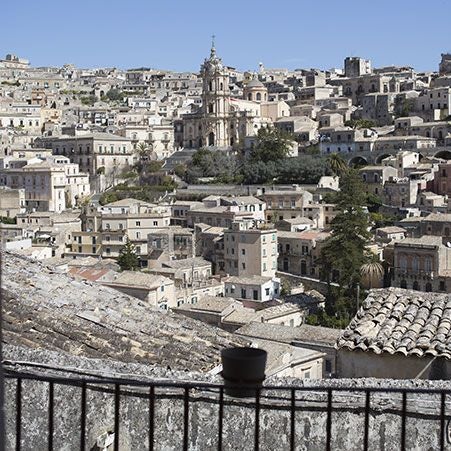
(115, 95)
(128, 260)
(142, 149)
(344, 252)
(272, 144)
(360, 123)
(88, 100)
(336, 164)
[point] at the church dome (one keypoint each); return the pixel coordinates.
(255, 83)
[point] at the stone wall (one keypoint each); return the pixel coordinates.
(422, 426)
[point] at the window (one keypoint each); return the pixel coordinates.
(442, 286)
(243, 265)
(267, 291)
(243, 251)
(243, 293)
(255, 295)
(155, 223)
(138, 223)
(328, 367)
(403, 263)
(162, 288)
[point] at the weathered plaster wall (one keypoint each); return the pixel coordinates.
(422, 427)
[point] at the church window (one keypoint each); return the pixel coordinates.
(210, 108)
(259, 96)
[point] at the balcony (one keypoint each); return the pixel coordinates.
(53, 408)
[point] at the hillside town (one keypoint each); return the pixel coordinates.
(268, 203)
(237, 243)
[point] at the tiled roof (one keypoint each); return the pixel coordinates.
(399, 321)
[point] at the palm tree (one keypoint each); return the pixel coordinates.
(371, 272)
(143, 149)
(337, 165)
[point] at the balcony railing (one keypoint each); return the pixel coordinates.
(40, 402)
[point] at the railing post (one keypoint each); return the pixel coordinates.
(117, 400)
(329, 419)
(186, 419)
(51, 417)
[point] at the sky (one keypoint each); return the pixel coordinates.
(176, 34)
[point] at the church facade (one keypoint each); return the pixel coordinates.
(223, 121)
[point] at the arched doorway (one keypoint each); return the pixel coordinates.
(358, 161)
(445, 154)
(415, 285)
(428, 287)
(303, 267)
(403, 284)
(381, 157)
(211, 139)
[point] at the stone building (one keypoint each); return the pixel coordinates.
(223, 120)
(156, 291)
(442, 179)
(400, 192)
(109, 226)
(53, 184)
(249, 250)
(374, 178)
(96, 153)
(285, 204)
(444, 67)
(396, 334)
(171, 243)
(436, 224)
(12, 201)
(422, 264)
(299, 252)
(356, 66)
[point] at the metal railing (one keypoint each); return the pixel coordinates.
(291, 400)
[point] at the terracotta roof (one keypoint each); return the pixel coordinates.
(399, 321)
(46, 310)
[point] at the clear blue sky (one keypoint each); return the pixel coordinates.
(175, 34)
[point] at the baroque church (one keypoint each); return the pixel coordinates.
(222, 120)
